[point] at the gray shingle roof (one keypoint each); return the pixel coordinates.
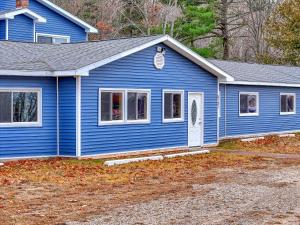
(247, 72)
(63, 57)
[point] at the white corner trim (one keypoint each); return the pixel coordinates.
(74, 19)
(11, 15)
(6, 29)
(78, 116)
(57, 117)
(260, 83)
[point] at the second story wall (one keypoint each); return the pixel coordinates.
(57, 24)
(22, 27)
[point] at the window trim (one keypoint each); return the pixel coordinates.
(53, 36)
(295, 105)
(257, 104)
(39, 108)
(124, 110)
(173, 91)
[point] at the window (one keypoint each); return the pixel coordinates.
(112, 106)
(137, 105)
(20, 107)
(287, 103)
(249, 104)
(52, 39)
(173, 104)
(124, 106)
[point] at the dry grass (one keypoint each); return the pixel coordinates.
(56, 190)
(273, 144)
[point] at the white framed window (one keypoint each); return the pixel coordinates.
(138, 106)
(173, 106)
(20, 107)
(51, 38)
(124, 106)
(248, 103)
(287, 103)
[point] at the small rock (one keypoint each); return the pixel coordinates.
(1, 164)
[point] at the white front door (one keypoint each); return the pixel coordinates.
(195, 129)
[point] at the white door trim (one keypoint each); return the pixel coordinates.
(202, 116)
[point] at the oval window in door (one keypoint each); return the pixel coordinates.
(194, 112)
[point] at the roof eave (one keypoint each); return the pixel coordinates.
(11, 15)
(260, 83)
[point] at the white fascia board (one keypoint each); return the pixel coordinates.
(25, 73)
(11, 15)
(74, 19)
(260, 83)
(69, 73)
(194, 57)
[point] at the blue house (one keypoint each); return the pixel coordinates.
(89, 98)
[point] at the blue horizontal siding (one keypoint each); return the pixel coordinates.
(67, 116)
(2, 29)
(56, 24)
(21, 28)
(31, 141)
(7, 5)
(269, 119)
(137, 71)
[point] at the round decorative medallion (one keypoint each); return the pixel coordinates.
(194, 112)
(159, 60)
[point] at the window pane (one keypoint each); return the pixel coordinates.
(131, 107)
(44, 40)
(290, 103)
(243, 103)
(25, 107)
(252, 104)
(57, 40)
(117, 106)
(167, 106)
(5, 107)
(283, 103)
(176, 105)
(105, 106)
(142, 106)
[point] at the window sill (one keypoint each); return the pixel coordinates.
(287, 113)
(249, 114)
(173, 120)
(19, 125)
(124, 123)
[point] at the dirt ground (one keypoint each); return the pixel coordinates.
(268, 144)
(238, 196)
(183, 190)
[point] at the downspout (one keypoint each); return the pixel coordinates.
(218, 112)
(6, 29)
(78, 116)
(57, 118)
(225, 113)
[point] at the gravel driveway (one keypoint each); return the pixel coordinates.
(264, 196)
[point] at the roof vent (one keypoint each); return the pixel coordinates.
(22, 4)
